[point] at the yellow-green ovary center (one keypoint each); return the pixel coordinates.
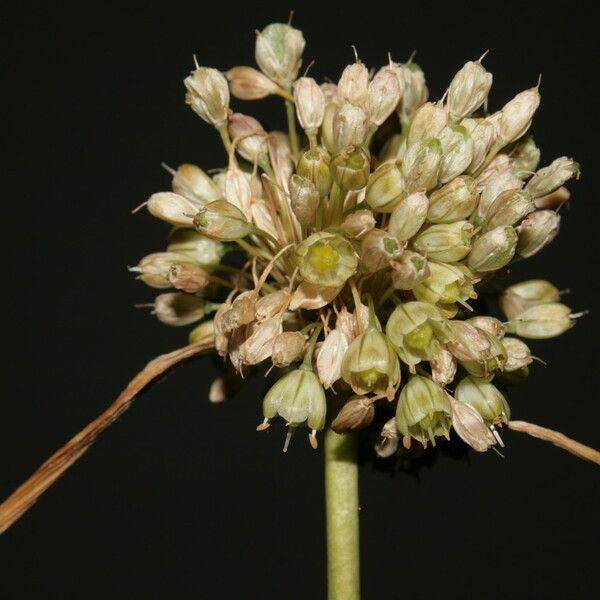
(323, 257)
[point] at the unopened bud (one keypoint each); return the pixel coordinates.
(483, 135)
(310, 104)
(193, 183)
(172, 208)
(457, 152)
(495, 186)
(271, 305)
(377, 248)
(385, 188)
(518, 297)
(179, 309)
(454, 201)
(526, 157)
(208, 95)
(252, 139)
(446, 242)
(278, 52)
(485, 398)
(154, 269)
(468, 90)
(421, 165)
(542, 321)
(331, 355)
(470, 426)
(446, 284)
(408, 216)
(188, 278)
(428, 122)
(247, 83)
(415, 90)
(509, 208)
(443, 367)
(350, 168)
(288, 347)
(350, 126)
(550, 178)
(537, 231)
(304, 198)
(202, 333)
(314, 164)
(353, 85)
(518, 354)
(221, 220)
(493, 250)
(517, 115)
(357, 413)
(358, 223)
(384, 94)
(490, 325)
(409, 269)
(202, 250)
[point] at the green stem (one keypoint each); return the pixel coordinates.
(341, 501)
(224, 133)
(291, 121)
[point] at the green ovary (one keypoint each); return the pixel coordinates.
(323, 258)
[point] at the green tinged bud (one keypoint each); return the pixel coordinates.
(409, 269)
(502, 182)
(314, 164)
(203, 250)
(423, 410)
(537, 231)
(550, 178)
(193, 183)
(449, 242)
(454, 201)
(350, 126)
(421, 165)
(428, 122)
(350, 168)
(221, 220)
(518, 297)
(326, 259)
(408, 216)
(485, 398)
(446, 284)
(278, 52)
(457, 152)
(304, 198)
(542, 321)
(493, 250)
(385, 189)
(509, 208)
(202, 333)
(526, 157)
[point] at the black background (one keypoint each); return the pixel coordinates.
(181, 498)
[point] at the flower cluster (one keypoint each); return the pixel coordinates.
(349, 254)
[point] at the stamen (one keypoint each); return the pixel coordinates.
(497, 436)
(312, 438)
(167, 168)
(264, 425)
(431, 436)
(288, 437)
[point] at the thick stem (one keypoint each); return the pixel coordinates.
(341, 500)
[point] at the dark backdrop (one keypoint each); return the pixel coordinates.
(181, 498)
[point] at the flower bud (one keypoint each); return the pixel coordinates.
(326, 259)
(327, 134)
(468, 90)
(412, 328)
(485, 398)
(188, 278)
(272, 304)
(310, 104)
(206, 252)
(409, 269)
(423, 410)
(193, 183)
(468, 343)
(447, 242)
(208, 95)
(518, 354)
(493, 250)
(221, 220)
(172, 208)
(408, 216)
(247, 83)
(526, 157)
(509, 208)
(542, 321)
(457, 152)
(288, 347)
(483, 135)
(415, 90)
(370, 364)
(518, 297)
(304, 198)
(517, 115)
(428, 122)
(154, 269)
(314, 164)
(385, 188)
(489, 325)
(501, 164)
(353, 85)
(470, 426)
(179, 309)
(252, 137)
(202, 333)
(241, 312)
(554, 200)
(421, 165)
(537, 231)
(350, 126)
(454, 201)
(485, 364)
(446, 284)
(330, 357)
(495, 186)
(258, 343)
(383, 96)
(377, 248)
(550, 178)
(298, 398)
(358, 223)
(443, 367)
(312, 296)
(350, 168)
(278, 52)
(357, 413)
